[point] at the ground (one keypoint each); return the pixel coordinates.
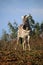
(9, 56)
(21, 57)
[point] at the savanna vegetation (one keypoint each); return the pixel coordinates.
(10, 56)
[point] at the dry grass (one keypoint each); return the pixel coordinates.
(21, 57)
(8, 55)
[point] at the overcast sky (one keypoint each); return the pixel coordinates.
(14, 9)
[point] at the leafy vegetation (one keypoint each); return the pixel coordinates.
(13, 29)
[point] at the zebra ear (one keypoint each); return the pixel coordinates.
(27, 16)
(22, 17)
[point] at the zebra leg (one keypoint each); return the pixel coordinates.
(28, 43)
(24, 45)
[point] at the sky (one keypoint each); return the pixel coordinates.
(12, 10)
